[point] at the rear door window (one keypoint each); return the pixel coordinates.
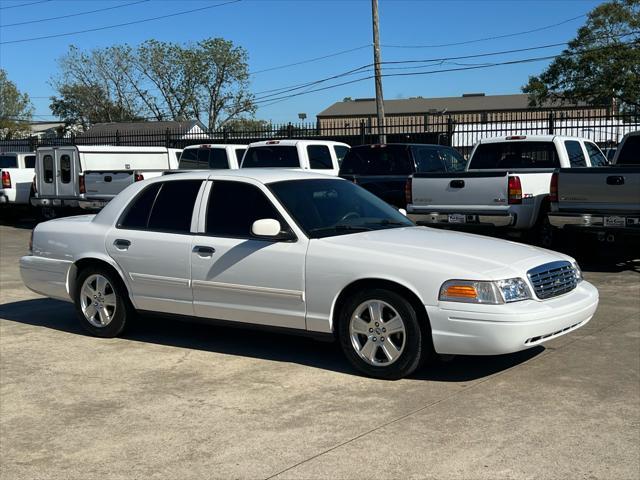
(514, 155)
(47, 169)
(341, 152)
(8, 161)
(65, 169)
(173, 206)
(30, 161)
(188, 159)
(319, 157)
(595, 155)
(229, 217)
(137, 214)
(576, 156)
(271, 156)
(378, 160)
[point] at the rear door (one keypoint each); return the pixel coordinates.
(152, 244)
(65, 172)
(46, 172)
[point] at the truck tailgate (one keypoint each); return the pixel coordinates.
(613, 189)
(105, 185)
(476, 189)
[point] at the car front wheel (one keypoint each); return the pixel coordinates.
(380, 334)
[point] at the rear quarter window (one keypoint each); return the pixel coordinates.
(630, 152)
(514, 155)
(319, 157)
(576, 156)
(30, 161)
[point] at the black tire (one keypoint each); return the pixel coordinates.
(124, 311)
(48, 213)
(543, 234)
(415, 349)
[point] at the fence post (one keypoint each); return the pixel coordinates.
(449, 131)
(225, 135)
(426, 122)
(551, 126)
(362, 132)
(167, 138)
(32, 144)
(117, 137)
(289, 130)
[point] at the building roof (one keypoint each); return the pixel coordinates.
(466, 103)
(139, 127)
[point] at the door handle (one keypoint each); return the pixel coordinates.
(122, 244)
(204, 252)
(615, 180)
(456, 184)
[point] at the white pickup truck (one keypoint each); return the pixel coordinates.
(320, 156)
(89, 176)
(506, 184)
(16, 171)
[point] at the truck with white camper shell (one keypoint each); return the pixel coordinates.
(89, 176)
(506, 185)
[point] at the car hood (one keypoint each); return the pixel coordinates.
(463, 255)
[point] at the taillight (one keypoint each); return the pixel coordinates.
(553, 189)
(6, 180)
(81, 186)
(138, 177)
(515, 191)
(408, 194)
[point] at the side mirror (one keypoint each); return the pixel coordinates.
(266, 228)
(403, 211)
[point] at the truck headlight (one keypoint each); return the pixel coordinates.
(488, 292)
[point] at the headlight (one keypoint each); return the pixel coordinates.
(491, 292)
(578, 272)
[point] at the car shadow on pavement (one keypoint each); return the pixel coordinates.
(57, 315)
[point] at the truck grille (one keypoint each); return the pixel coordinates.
(553, 279)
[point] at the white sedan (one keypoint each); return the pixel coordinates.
(310, 253)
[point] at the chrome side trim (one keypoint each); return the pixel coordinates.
(248, 289)
(159, 279)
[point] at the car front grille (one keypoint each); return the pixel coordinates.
(553, 279)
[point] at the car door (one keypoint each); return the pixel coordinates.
(65, 172)
(152, 244)
(236, 276)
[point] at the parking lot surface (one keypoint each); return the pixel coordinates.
(177, 400)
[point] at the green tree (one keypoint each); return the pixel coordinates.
(15, 109)
(601, 65)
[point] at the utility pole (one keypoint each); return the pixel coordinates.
(382, 138)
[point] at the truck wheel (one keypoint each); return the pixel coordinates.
(380, 334)
(48, 213)
(101, 302)
(544, 234)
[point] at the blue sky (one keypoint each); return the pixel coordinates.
(280, 32)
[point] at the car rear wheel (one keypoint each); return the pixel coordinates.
(380, 334)
(101, 302)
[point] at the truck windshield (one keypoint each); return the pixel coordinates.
(325, 208)
(8, 161)
(285, 156)
(630, 152)
(514, 155)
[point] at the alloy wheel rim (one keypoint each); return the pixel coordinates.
(377, 332)
(98, 300)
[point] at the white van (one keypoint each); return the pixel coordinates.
(320, 156)
(89, 176)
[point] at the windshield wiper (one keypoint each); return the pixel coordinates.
(341, 228)
(386, 222)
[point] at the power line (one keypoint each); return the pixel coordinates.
(24, 4)
(120, 24)
(310, 60)
(72, 14)
(495, 37)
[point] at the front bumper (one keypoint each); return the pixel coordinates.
(593, 221)
(488, 219)
(470, 329)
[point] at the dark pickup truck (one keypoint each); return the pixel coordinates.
(383, 169)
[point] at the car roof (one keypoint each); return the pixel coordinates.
(262, 175)
(215, 145)
(294, 142)
(372, 145)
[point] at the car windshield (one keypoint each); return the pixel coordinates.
(329, 207)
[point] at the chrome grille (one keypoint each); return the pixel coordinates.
(553, 279)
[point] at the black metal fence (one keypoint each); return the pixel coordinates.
(458, 130)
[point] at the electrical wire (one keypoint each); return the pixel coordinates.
(72, 14)
(24, 4)
(270, 69)
(185, 12)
